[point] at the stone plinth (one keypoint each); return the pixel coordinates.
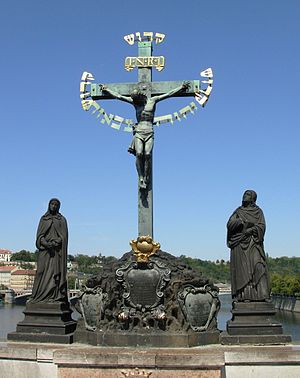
(155, 339)
(45, 322)
(139, 363)
(254, 322)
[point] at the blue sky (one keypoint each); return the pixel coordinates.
(247, 137)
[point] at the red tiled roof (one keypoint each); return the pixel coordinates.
(7, 268)
(24, 271)
(5, 252)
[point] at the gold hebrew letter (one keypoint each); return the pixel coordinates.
(193, 107)
(201, 99)
(90, 76)
(119, 119)
(100, 112)
(159, 37)
(129, 39)
(149, 34)
(85, 95)
(107, 118)
(176, 116)
(162, 119)
(86, 104)
(210, 81)
(87, 76)
(183, 112)
(207, 91)
(129, 123)
(82, 86)
(84, 75)
(207, 73)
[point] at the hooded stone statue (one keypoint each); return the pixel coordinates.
(245, 236)
(50, 284)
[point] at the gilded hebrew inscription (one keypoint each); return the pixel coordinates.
(147, 36)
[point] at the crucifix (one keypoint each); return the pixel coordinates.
(144, 95)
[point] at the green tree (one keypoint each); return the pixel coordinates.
(285, 284)
(214, 272)
(26, 265)
(71, 282)
(91, 264)
(24, 255)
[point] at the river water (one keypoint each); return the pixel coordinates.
(10, 315)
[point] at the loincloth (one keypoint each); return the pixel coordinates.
(143, 135)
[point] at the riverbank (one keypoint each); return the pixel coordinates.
(286, 303)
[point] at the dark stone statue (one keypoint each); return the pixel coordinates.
(246, 228)
(50, 284)
(253, 313)
(47, 313)
(143, 134)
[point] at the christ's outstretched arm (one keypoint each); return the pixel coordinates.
(185, 85)
(117, 95)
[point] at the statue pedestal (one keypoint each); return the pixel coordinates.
(45, 322)
(148, 340)
(254, 322)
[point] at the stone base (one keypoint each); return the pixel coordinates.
(162, 340)
(254, 322)
(41, 338)
(45, 322)
(227, 339)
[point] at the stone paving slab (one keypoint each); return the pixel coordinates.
(265, 356)
(28, 354)
(283, 371)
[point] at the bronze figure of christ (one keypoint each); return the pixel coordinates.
(143, 133)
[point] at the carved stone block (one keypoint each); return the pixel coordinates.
(200, 306)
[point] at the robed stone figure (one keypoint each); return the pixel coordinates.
(47, 313)
(50, 284)
(253, 313)
(245, 237)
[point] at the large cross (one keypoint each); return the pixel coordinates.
(144, 62)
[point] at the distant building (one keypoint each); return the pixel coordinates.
(5, 255)
(22, 279)
(5, 274)
(18, 263)
(72, 266)
(224, 288)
